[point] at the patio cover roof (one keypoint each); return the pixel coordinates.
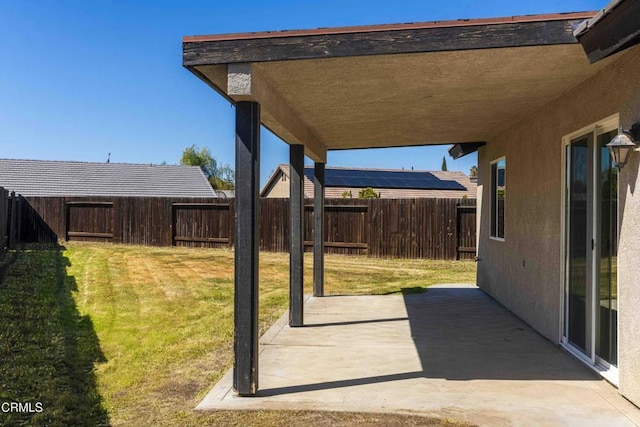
(396, 85)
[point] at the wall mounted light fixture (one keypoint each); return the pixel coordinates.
(623, 144)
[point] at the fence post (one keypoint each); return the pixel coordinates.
(14, 223)
(19, 200)
(172, 224)
(66, 221)
(4, 205)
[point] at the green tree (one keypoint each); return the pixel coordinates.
(368, 193)
(444, 163)
(220, 176)
(473, 172)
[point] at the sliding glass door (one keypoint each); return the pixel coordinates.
(591, 224)
(578, 295)
(606, 346)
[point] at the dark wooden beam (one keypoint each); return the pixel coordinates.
(296, 239)
(222, 206)
(202, 239)
(346, 208)
(245, 368)
(614, 29)
(318, 229)
(411, 40)
(87, 204)
(89, 234)
(342, 245)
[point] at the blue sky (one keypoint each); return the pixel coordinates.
(80, 79)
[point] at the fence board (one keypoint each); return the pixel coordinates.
(13, 221)
(4, 219)
(466, 214)
(202, 224)
(89, 221)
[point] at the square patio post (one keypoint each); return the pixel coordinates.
(245, 343)
(318, 229)
(296, 240)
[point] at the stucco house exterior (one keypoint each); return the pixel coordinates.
(566, 261)
(406, 184)
(539, 97)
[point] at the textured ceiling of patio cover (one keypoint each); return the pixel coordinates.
(414, 98)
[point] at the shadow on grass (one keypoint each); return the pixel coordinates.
(47, 348)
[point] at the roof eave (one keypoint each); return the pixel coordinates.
(462, 149)
(612, 30)
(530, 30)
(392, 27)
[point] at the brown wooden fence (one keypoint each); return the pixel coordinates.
(401, 228)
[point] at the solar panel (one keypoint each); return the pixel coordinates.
(337, 182)
(308, 172)
(385, 179)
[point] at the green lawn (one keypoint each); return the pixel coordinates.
(130, 335)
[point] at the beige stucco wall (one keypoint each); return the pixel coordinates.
(629, 249)
(524, 272)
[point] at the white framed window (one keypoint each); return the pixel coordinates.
(498, 197)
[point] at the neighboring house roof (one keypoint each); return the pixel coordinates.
(61, 178)
(389, 183)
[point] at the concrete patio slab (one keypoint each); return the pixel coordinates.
(451, 352)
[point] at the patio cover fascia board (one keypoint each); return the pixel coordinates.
(612, 30)
(518, 31)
